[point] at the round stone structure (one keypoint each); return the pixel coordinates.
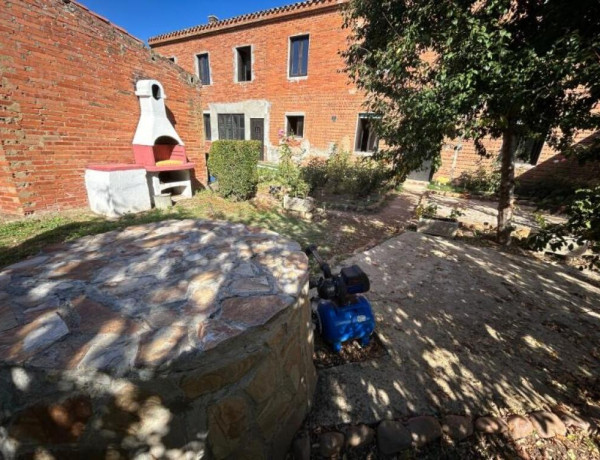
(178, 339)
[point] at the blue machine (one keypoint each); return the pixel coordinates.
(342, 312)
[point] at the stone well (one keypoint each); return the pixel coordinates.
(166, 340)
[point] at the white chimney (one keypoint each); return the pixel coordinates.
(153, 117)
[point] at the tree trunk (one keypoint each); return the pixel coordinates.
(507, 188)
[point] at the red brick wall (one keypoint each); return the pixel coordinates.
(551, 166)
(67, 99)
(324, 94)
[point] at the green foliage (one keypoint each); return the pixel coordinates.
(234, 164)
(314, 172)
(438, 70)
(582, 226)
(456, 213)
(427, 212)
(267, 174)
(342, 175)
(290, 174)
(551, 193)
(479, 181)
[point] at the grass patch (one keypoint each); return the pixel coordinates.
(26, 237)
(444, 187)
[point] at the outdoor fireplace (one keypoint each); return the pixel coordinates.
(157, 146)
(161, 164)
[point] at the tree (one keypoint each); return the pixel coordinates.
(506, 69)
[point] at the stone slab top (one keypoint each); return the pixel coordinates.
(146, 297)
(111, 167)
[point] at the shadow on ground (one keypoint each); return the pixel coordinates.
(468, 330)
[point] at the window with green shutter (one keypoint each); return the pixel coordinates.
(231, 126)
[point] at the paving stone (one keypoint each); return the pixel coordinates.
(168, 294)
(161, 345)
(331, 444)
(111, 353)
(78, 269)
(46, 330)
(393, 437)
(458, 427)
(547, 425)
(359, 435)
(252, 311)
(491, 425)
(203, 301)
(250, 286)
(214, 332)
(96, 318)
(8, 319)
(424, 429)
(519, 426)
(572, 421)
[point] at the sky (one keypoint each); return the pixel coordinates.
(146, 18)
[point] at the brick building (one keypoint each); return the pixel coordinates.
(275, 71)
(67, 82)
(279, 70)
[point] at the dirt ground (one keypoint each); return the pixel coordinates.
(468, 330)
(483, 214)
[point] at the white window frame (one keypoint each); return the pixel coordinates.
(289, 56)
(197, 66)
(295, 114)
(235, 63)
(359, 152)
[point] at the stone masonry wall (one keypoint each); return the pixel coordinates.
(67, 99)
(551, 166)
(179, 340)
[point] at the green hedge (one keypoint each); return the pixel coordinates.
(234, 164)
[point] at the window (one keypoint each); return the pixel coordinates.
(295, 125)
(299, 56)
(207, 127)
(203, 68)
(231, 126)
(528, 149)
(366, 139)
(172, 59)
(244, 63)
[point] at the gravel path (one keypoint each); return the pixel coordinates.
(469, 330)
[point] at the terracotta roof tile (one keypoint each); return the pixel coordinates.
(245, 19)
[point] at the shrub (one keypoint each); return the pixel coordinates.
(368, 176)
(267, 174)
(234, 164)
(340, 174)
(290, 174)
(582, 226)
(314, 172)
(479, 181)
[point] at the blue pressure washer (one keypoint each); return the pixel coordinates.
(342, 312)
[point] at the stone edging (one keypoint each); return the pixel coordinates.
(393, 436)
